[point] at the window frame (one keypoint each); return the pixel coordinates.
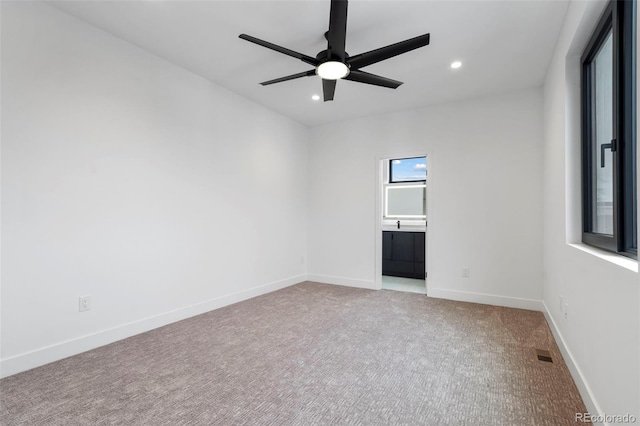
(619, 19)
(390, 177)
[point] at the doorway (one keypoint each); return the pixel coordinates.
(401, 219)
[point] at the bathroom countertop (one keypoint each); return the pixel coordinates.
(406, 228)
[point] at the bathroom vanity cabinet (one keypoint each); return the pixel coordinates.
(403, 254)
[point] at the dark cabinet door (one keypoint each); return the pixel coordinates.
(398, 268)
(387, 245)
(418, 266)
(403, 249)
(419, 247)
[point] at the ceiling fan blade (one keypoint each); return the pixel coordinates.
(376, 80)
(302, 57)
(337, 34)
(377, 55)
(290, 77)
(328, 89)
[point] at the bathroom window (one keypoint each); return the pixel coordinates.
(412, 169)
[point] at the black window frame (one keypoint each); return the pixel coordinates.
(404, 181)
(619, 18)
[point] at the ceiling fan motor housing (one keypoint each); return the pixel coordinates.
(323, 56)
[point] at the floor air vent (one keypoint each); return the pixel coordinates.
(543, 355)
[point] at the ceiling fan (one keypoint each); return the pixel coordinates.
(334, 63)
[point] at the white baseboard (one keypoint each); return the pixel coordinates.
(58, 351)
(585, 391)
(348, 282)
(486, 299)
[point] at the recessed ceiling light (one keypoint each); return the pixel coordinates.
(456, 64)
(315, 97)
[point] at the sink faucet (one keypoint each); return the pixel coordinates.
(398, 224)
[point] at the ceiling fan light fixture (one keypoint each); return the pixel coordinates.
(332, 70)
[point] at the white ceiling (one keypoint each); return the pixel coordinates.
(503, 45)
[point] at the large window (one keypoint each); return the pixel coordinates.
(608, 132)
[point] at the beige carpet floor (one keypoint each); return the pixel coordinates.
(312, 354)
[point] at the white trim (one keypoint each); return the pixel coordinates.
(347, 282)
(581, 383)
(486, 299)
(378, 211)
(58, 351)
(377, 221)
(614, 258)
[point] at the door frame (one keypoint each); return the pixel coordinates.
(378, 211)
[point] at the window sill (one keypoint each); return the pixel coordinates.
(616, 259)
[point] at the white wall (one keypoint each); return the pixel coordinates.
(134, 181)
(600, 335)
(484, 202)
(162, 195)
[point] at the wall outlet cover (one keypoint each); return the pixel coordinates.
(84, 303)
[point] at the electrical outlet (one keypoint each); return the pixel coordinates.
(466, 272)
(566, 311)
(84, 303)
